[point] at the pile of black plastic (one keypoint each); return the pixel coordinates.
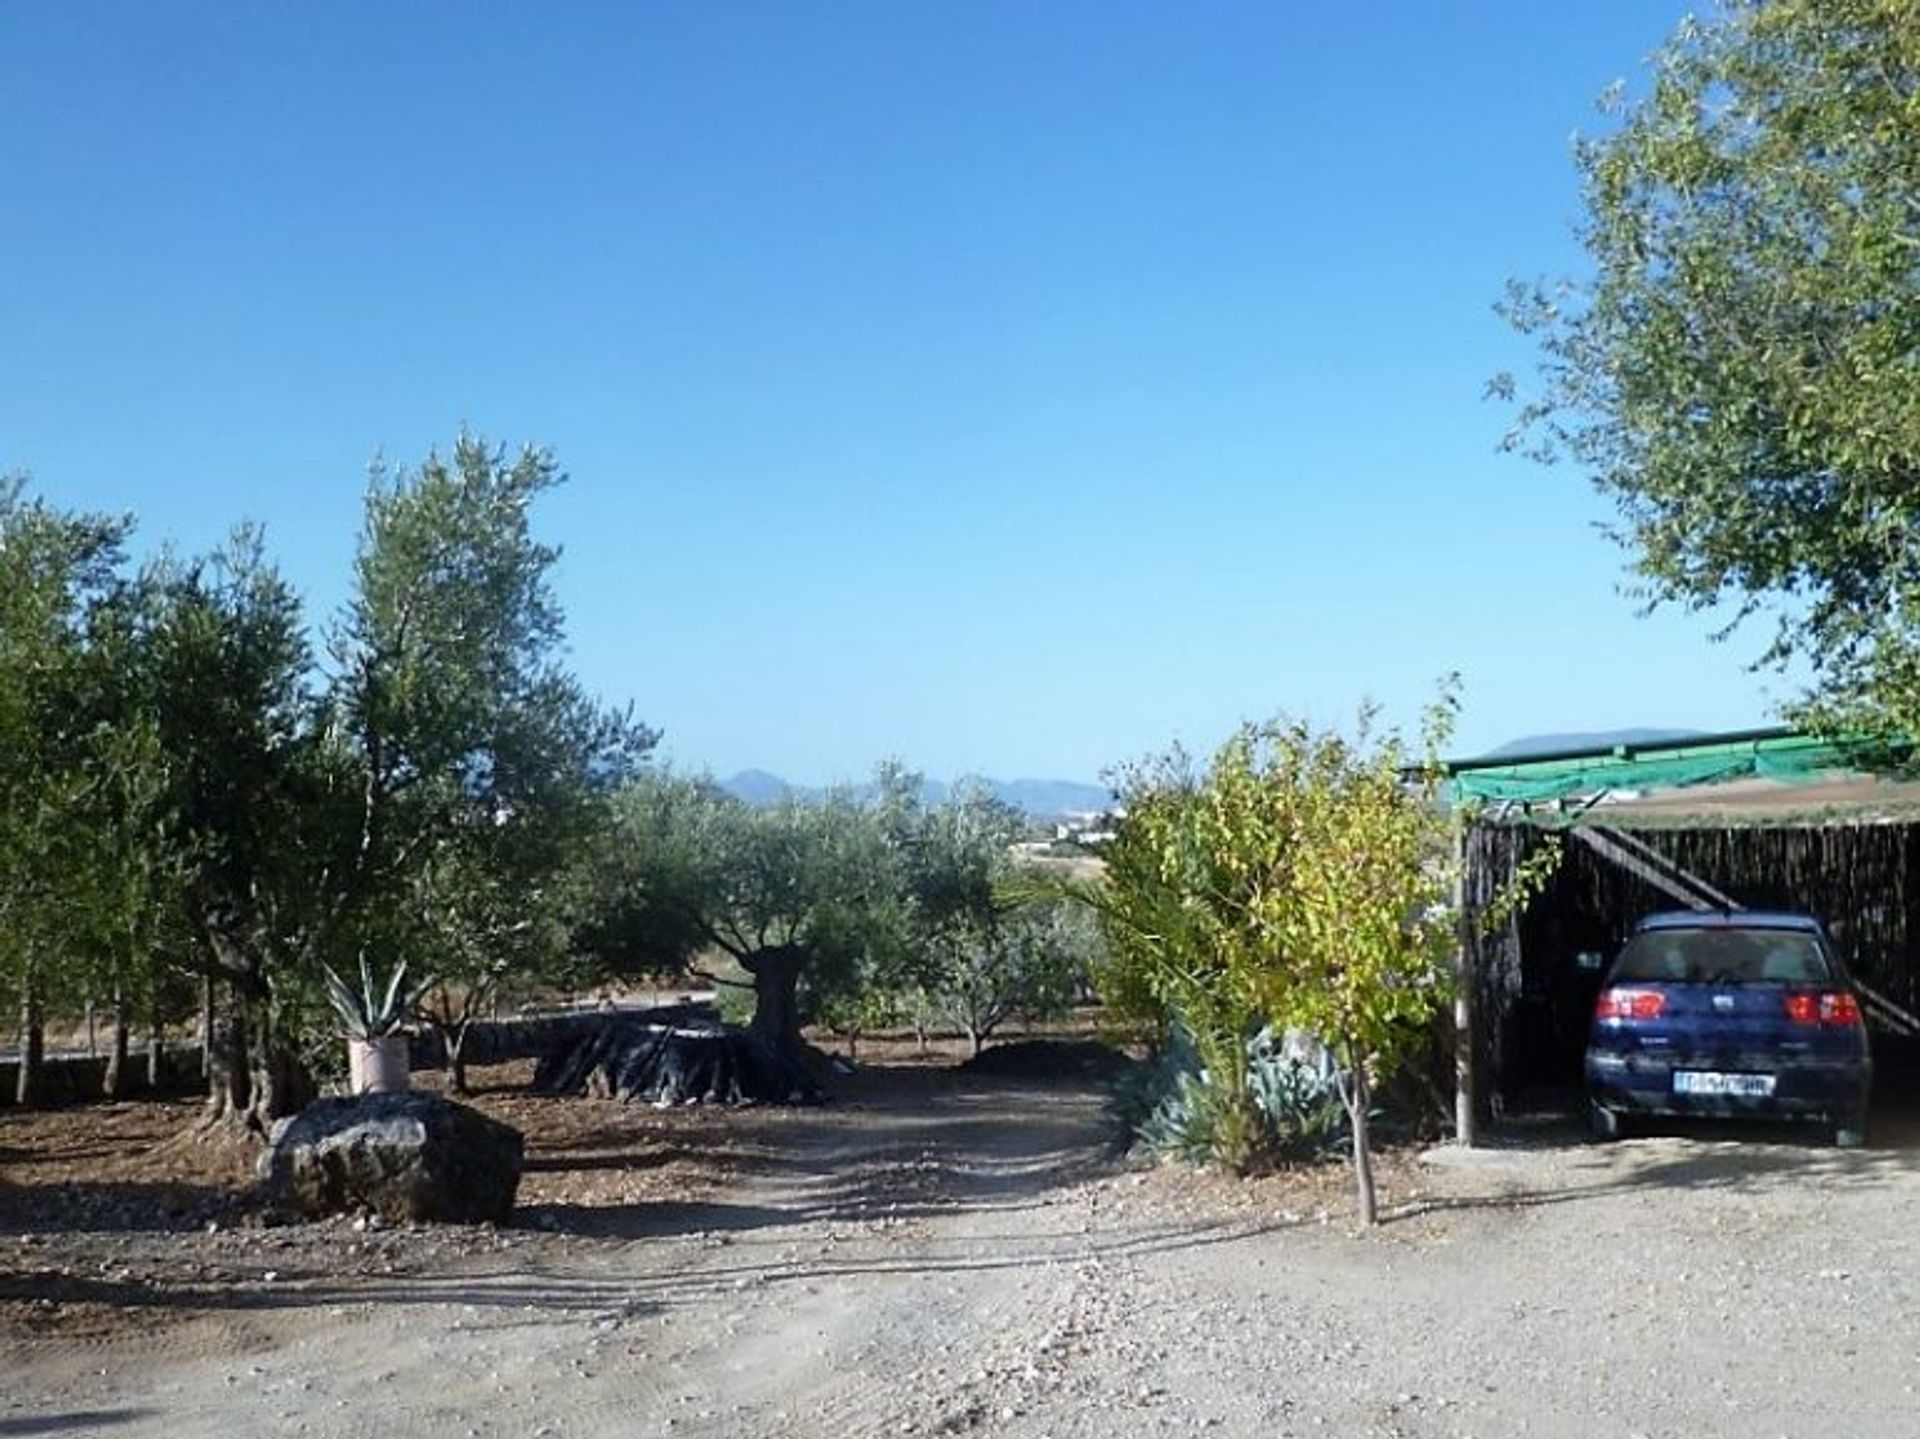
(679, 1056)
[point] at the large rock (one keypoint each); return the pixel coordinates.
(408, 1156)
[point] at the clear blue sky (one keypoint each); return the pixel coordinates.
(1008, 387)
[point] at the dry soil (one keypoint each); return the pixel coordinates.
(939, 1253)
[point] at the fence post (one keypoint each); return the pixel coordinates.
(1466, 1113)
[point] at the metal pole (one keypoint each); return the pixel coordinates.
(1466, 1114)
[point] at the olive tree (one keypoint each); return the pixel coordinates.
(482, 768)
(987, 941)
(59, 573)
(1737, 371)
(260, 800)
(801, 895)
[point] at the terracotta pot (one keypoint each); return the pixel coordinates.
(377, 1066)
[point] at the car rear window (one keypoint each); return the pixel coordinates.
(1724, 956)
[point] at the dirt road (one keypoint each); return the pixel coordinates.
(951, 1255)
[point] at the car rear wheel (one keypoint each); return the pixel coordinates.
(1603, 1123)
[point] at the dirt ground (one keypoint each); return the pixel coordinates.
(941, 1253)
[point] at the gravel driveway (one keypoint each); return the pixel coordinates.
(961, 1257)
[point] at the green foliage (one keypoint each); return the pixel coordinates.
(853, 911)
(984, 941)
(370, 1010)
(1303, 880)
(1738, 372)
(804, 896)
(851, 1013)
(484, 770)
(1015, 956)
(73, 786)
(181, 791)
(1174, 1107)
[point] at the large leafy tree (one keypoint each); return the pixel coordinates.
(259, 799)
(59, 572)
(1740, 372)
(802, 895)
(179, 783)
(124, 921)
(483, 769)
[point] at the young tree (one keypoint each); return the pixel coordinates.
(1737, 373)
(1023, 956)
(1305, 881)
(985, 944)
(1364, 917)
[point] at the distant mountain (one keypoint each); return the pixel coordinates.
(757, 787)
(1036, 798)
(1051, 798)
(1540, 744)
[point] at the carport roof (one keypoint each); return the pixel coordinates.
(1784, 755)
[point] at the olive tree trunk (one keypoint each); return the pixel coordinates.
(115, 1078)
(776, 995)
(33, 1041)
(256, 1078)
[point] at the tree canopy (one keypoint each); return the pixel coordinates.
(1740, 372)
(188, 793)
(1303, 880)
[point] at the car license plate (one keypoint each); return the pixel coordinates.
(1707, 1081)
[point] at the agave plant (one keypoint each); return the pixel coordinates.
(370, 1012)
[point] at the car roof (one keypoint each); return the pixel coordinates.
(1729, 919)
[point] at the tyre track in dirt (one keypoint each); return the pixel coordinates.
(861, 1279)
(950, 1256)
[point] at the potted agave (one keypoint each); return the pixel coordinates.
(371, 1017)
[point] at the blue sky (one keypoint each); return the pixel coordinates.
(1007, 387)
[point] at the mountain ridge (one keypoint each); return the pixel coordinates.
(1038, 799)
(1530, 746)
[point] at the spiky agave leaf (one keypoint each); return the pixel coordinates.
(368, 1013)
(350, 1007)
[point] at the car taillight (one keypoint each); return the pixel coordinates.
(1630, 1004)
(1832, 1007)
(1840, 1008)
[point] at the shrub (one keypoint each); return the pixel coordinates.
(1291, 1111)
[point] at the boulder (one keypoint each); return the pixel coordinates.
(405, 1156)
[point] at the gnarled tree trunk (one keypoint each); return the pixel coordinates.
(206, 1026)
(776, 995)
(256, 1079)
(225, 1056)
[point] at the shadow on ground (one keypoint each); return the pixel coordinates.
(1677, 1154)
(79, 1421)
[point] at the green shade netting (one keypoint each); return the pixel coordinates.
(1786, 757)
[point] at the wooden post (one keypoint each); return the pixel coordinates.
(1466, 1114)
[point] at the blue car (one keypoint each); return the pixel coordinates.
(1743, 1014)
